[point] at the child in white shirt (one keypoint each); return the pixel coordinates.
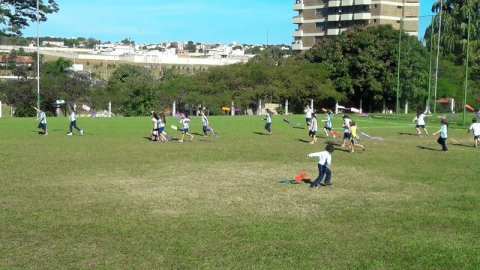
(420, 118)
(443, 131)
(73, 123)
(475, 128)
(43, 122)
(324, 161)
(206, 125)
(184, 121)
(313, 128)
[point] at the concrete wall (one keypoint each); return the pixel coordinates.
(167, 59)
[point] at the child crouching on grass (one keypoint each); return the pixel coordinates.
(324, 161)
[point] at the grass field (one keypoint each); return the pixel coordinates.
(111, 199)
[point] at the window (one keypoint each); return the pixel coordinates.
(320, 26)
(319, 12)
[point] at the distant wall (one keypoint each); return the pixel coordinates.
(74, 53)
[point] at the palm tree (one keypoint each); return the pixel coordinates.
(453, 39)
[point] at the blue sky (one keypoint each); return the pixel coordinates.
(151, 21)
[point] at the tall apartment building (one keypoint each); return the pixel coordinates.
(320, 19)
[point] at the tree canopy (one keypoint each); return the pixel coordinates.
(454, 33)
(363, 65)
(15, 15)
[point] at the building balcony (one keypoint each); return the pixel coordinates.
(333, 32)
(363, 2)
(346, 3)
(298, 6)
(362, 16)
(333, 18)
(297, 19)
(298, 33)
(346, 17)
(334, 3)
(297, 45)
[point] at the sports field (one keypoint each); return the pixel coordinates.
(111, 199)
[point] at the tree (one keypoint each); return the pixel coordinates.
(454, 32)
(127, 41)
(190, 47)
(17, 14)
(132, 89)
(363, 65)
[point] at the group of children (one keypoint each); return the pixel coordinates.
(325, 157)
(42, 117)
(349, 127)
(159, 121)
(443, 131)
(350, 133)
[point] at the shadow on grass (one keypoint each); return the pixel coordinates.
(464, 145)
(428, 148)
(337, 146)
(302, 140)
(170, 138)
(260, 133)
(409, 134)
(197, 134)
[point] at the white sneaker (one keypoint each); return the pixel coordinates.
(69, 133)
(81, 132)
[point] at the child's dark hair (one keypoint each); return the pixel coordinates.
(474, 120)
(330, 148)
(444, 121)
(164, 120)
(155, 115)
(353, 123)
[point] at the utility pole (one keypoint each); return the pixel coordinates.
(397, 104)
(466, 69)
(438, 55)
(38, 59)
(427, 109)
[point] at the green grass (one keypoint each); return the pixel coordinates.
(112, 199)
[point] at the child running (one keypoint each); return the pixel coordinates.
(43, 121)
(73, 123)
(328, 124)
(354, 138)
(155, 119)
(324, 161)
(346, 129)
(205, 124)
(475, 128)
(308, 115)
(268, 124)
(420, 118)
(442, 140)
(184, 121)
(161, 127)
(313, 128)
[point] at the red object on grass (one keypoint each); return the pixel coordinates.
(300, 176)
